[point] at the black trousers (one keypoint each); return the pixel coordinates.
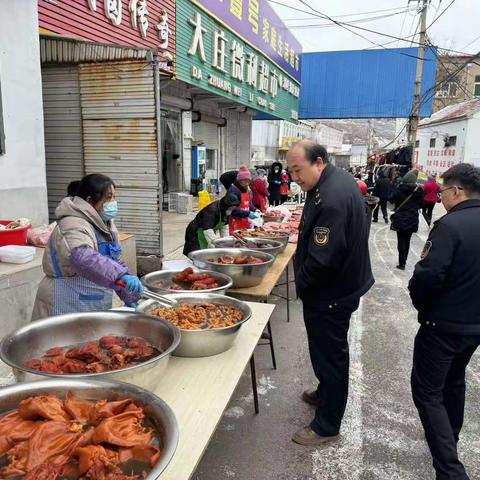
(438, 389)
(382, 205)
(427, 211)
(327, 331)
(403, 245)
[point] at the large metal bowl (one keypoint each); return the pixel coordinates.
(229, 242)
(157, 411)
(242, 275)
(204, 343)
(283, 239)
(151, 280)
(33, 340)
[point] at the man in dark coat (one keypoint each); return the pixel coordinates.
(408, 200)
(382, 190)
(445, 290)
(332, 272)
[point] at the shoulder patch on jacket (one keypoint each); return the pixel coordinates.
(321, 236)
(426, 249)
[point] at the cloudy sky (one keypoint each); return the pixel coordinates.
(457, 29)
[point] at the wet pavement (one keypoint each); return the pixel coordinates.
(382, 437)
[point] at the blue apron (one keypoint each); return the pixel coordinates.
(77, 294)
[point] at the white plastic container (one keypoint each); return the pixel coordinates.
(16, 254)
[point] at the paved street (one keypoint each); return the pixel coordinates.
(382, 435)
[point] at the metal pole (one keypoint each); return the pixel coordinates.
(414, 119)
(158, 118)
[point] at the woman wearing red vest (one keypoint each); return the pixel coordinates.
(238, 219)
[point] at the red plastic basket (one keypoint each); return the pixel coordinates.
(13, 237)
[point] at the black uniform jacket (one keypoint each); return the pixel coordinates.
(405, 218)
(332, 261)
(445, 287)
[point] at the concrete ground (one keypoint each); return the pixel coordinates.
(382, 437)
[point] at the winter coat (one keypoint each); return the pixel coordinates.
(76, 247)
(260, 194)
(405, 219)
(332, 262)
(275, 182)
(431, 189)
(382, 189)
(446, 281)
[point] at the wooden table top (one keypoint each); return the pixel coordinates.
(199, 389)
(261, 292)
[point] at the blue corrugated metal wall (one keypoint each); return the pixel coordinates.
(364, 83)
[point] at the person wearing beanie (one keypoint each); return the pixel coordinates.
(284, 187)
(238, 219)
(408, 200)
(260, 191)
(274, 184)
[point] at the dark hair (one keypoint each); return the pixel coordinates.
(464, 175)
(72, 188)
(314, 150)
(94, 186)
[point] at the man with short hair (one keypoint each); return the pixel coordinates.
(332, 272)
(445, 290)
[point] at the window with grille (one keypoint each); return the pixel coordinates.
(477, 86)
(417, 143)
(433, 141)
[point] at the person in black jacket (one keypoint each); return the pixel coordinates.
(382, 190)
(332, 272)
(445, 290)
(274, 184)
(408, 200)
(210, 223)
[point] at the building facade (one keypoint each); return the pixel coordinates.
(458, 77)
(449, 137)
(23, 188)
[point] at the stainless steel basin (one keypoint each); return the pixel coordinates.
(33, 340)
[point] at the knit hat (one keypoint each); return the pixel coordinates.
(244, 173)
(410, 178)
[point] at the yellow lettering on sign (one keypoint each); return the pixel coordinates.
(253, 14)
(273, 38)
(236, 7)
(280, 45)
(286, 54)
(292, 57)
(297, 63)
(266, 31)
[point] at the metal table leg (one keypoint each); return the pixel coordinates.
(272, 349)
(288, 294)
(253, 374)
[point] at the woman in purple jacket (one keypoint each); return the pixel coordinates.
(82, 261)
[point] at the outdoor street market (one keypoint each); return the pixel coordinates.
(239, 239)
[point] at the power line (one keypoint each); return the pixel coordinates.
(439, 16)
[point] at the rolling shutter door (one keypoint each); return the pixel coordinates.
(119, 138)
(63, 131)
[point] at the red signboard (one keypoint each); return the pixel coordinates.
(131, 23)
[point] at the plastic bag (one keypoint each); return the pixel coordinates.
(286, 213)
(39, 236)
(257, 222)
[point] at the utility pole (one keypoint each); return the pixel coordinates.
(414, 118)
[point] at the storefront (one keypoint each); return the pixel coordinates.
(234, 61)
(99, 65)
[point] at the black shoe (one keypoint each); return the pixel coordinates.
(386, 221)
(375, 221)
(310, 396)
(401, 267)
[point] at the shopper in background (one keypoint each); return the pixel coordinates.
(284, 187)
(382, 190)
(432, 194)
(259, 190)
(274, 184)
(82, 258)
(239, 218)
(445, 290)
(408, 200)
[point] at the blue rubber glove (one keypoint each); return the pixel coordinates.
(133, 284)
(252, 216)
(133, 305)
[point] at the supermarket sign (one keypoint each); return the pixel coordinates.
(212, 57)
